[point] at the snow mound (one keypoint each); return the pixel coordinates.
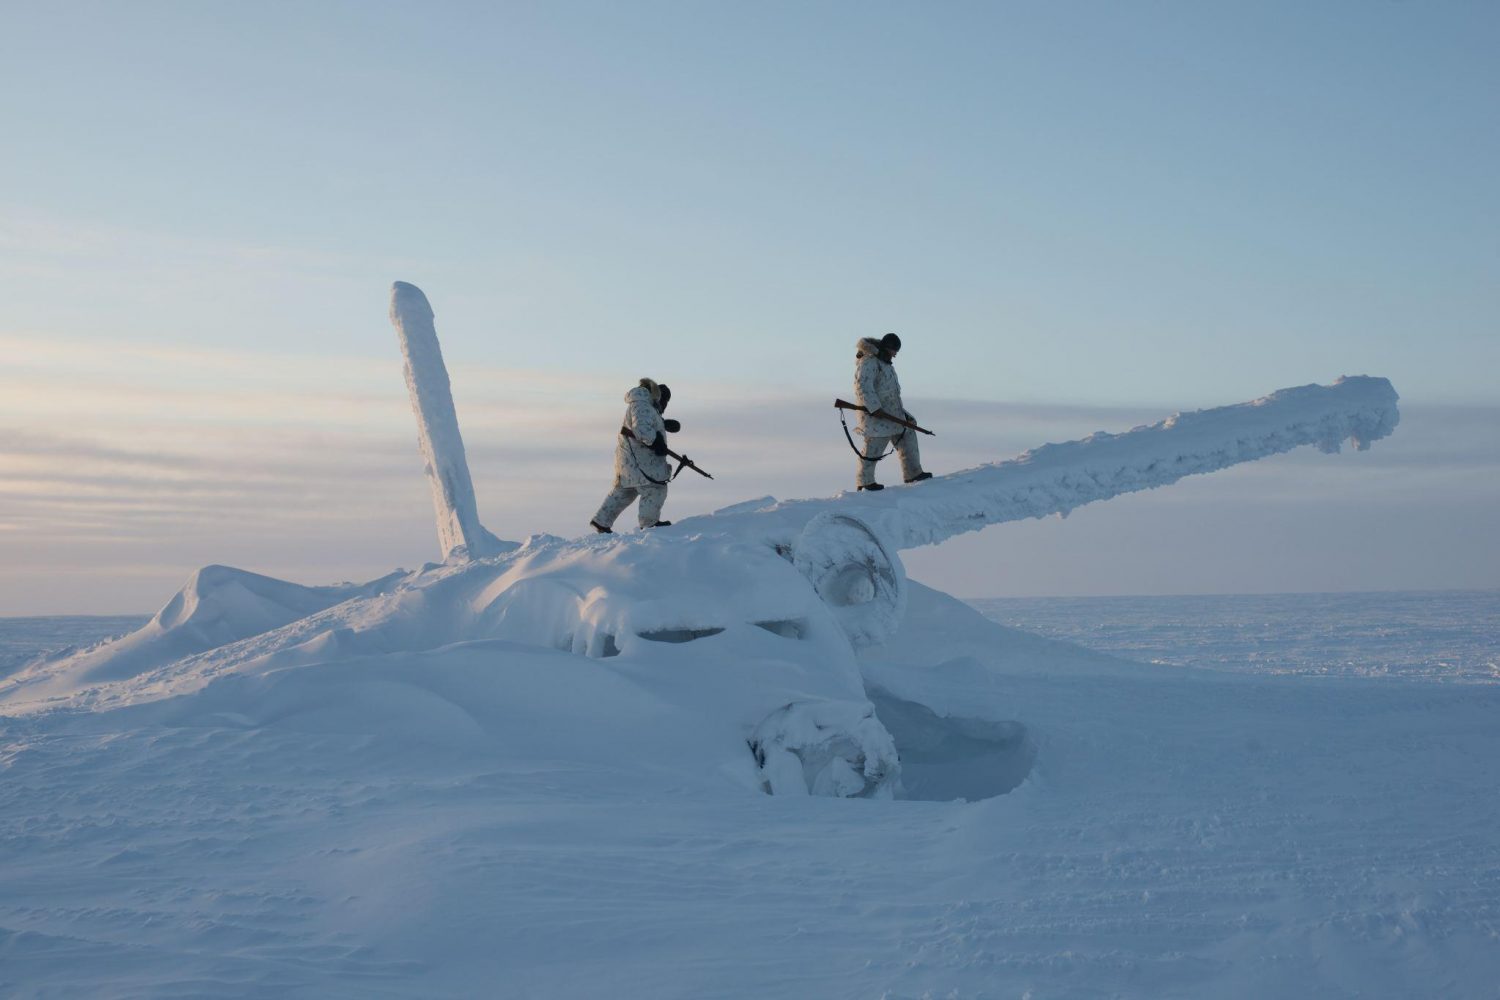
(217, 607)
(730, 632)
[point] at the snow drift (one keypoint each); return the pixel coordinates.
(498, 818)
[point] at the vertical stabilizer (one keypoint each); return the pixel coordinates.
(460, 535)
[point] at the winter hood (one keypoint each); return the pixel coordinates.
(867, 347)
(647, 386)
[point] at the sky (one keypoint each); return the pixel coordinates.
(1079, 216)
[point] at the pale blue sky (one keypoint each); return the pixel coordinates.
(1102, 205)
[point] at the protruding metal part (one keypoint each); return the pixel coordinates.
(460, 535)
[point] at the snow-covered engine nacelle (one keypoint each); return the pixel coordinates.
(856, 573)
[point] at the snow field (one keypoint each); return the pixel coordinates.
(497, 819)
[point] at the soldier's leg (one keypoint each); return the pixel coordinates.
(652, 499)
(614, 505)
(910, 456)
(874, 447)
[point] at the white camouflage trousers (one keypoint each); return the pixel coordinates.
(649, 512)
(909, 455)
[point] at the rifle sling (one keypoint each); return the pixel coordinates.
(850, 438)
(630, 435)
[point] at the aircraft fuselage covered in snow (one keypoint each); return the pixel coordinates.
(778, 597)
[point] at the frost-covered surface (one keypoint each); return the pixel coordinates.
(218, 607)
(834, 748)
(1058, 478)
(497, 819)
(633, 603)
(23, 640)
(1448, 635)
(855, 573)
(600, 597)
(447, 467)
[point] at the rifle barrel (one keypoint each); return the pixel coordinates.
(684, 463)
(842, 404)
(687, 463)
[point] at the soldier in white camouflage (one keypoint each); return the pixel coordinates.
(641, 468)
(878, 390)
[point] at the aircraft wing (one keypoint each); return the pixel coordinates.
(1056, 478)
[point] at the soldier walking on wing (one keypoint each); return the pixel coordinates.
(878, 391)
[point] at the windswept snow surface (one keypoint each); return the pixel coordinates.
(218, 607)
(498, 819)
(24, 640)
(1439, 635)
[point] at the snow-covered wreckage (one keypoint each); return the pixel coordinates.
(761, 622)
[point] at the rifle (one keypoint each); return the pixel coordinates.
(683, 462)
(845, 405)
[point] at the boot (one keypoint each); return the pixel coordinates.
(872, 487)
(919, 477)
(662, 524)
(601, 528)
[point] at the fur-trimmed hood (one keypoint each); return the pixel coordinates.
(649, 386)
(867, 347)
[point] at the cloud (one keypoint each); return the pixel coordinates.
(22, 443)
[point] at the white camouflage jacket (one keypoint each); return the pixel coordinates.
(635, 463)
(876, 387)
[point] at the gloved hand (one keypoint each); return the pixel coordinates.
(660, 445)
(672, 426)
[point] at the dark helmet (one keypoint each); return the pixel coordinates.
(890, 343)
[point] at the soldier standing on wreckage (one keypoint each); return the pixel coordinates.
(641, 468)
(878, 390)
